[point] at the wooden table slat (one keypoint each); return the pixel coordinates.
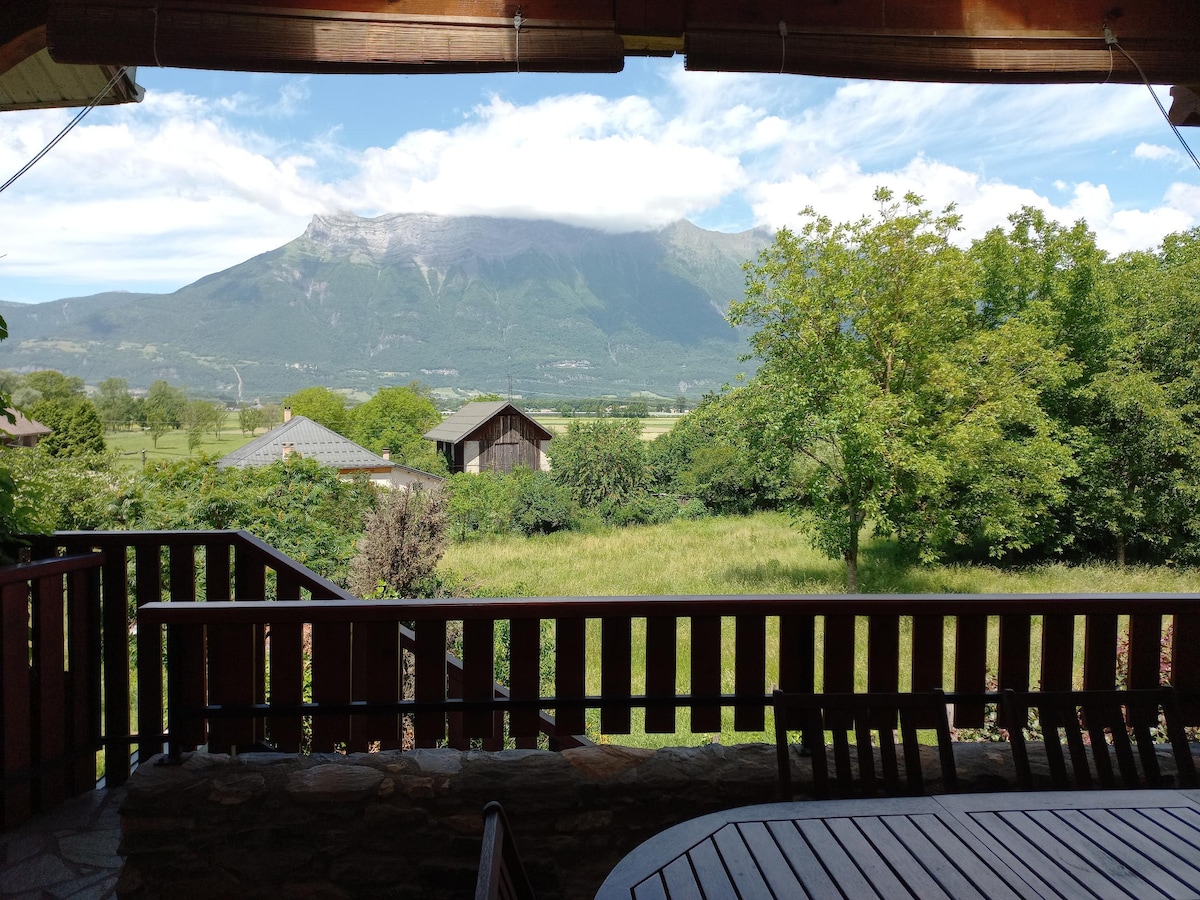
(778, 875)
(741, 865)
(909, 868)
(1052, 858)
(845, 874)
(958, 871)
(800, 857)
(1129, 842)
(1135, 843)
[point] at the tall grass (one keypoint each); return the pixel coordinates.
(761, 554)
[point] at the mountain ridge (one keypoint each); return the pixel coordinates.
(461, 303)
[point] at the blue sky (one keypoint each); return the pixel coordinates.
(213, 167)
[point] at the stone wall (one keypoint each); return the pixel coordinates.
(407, 825)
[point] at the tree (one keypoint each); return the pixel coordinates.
(405, 537)
(77, 429)
(163, 406)
(602, 463)
(879, 373)
(397, 418)
(114, 403)
(323, 406)
(51, 385)
(250, 419)
(712, 456)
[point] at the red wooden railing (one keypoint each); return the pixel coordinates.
(49, 683)
(356, 647)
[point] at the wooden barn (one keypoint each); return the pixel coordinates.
(491, 437)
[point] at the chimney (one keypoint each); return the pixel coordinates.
(387, 453)
(288, 449)
(287, 414)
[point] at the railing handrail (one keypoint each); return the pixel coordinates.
(681, 605)
(44, 568)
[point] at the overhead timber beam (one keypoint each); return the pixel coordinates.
(342, 36)
(921, 40)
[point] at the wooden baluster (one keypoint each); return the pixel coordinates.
(662, 652)
(148, 589)
(797, 653)
(928, 662)
(250, 584)
(1058, 652)
(616, 664)
(706, 673)
(49, 664)
(883, 665)
(189, 645)
(839, 655)
(286, 669)
(1145, 664)
(750, 670)
(331, 682)
(479, 675)
(1185, 665)
(429, 726)
(1014, 652)
(1100, 652)
(524, 672)
(376, 677)
(970, 669)
(570, 668)
(115, 624)
(16, 801)
(84, 684)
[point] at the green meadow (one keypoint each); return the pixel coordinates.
(652, 426)
(173, 446)
(761, 554)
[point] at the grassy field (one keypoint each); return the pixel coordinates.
(173, 446)
(762, 554)
(652, 426)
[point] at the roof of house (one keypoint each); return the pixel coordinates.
(22, 426)
(457, 426)
(312, 441)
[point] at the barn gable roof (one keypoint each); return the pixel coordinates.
(456, 427)
(312, 441)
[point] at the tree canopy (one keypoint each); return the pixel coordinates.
(905, 406)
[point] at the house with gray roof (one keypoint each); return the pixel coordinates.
(301, 437)
(491, 437)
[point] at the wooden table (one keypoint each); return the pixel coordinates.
(1071, 844)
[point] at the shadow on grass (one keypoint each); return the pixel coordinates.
(884, 568)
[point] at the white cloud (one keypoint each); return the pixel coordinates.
(182, 185)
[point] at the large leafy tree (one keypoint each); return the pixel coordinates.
(114, 403)
(601, 463)
(163, 408)
(879, 371)
(323, 406)
(710, 455)
(397, 418)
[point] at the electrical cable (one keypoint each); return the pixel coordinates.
(1112, 42)
(782, 45)
(66, 129)
(518, 21)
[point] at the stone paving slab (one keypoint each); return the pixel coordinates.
(69, 853)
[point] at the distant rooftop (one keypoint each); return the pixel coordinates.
(311, 441)
(457, 426)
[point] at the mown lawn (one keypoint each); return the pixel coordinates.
(172, 446)
(761, 554)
